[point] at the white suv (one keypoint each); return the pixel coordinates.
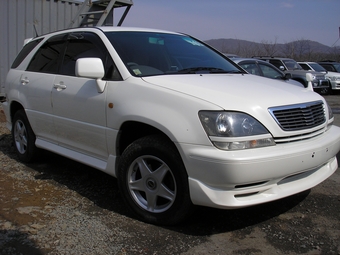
(176, 122)
(333, 77)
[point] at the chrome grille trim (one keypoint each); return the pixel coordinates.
(289, 139)
(299, 116)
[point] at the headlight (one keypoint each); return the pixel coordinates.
(334, 78)
(330, 115)
(234, 130)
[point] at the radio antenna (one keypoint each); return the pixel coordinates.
(36, 32)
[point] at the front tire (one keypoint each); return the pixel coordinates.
(325, 91)
(23, 137)
(153, 181)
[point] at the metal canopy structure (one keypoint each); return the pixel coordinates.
(22, 19)
(99, 13)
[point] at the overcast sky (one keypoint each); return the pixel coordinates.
(268, 21)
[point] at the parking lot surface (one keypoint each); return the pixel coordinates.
(58, 206)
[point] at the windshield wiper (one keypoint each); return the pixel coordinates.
(195, 70)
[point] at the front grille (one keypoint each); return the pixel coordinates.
(300, 116)
(324, 83)
(320, 77)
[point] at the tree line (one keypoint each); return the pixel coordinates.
(300, 50)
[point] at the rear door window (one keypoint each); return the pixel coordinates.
(49, 56)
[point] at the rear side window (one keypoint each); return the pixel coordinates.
(49, 56)
(24, 52)
(276, 63)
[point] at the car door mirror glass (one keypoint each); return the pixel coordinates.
(90, 68)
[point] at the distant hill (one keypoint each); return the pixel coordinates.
(299, 50)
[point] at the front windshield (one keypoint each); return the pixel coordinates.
(148, 53)
(292, 65)
(317, 67)
(337, 67)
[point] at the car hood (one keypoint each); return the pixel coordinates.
(303, 72)
(235, 91)
(238, 92)
(329, 73)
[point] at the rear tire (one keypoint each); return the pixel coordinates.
(154, 182)
(23, 137)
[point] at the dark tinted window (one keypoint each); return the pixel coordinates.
(317, 67)
(251, 68)
(24, 52)
(85, 45)
(304, 66)
(276, 63)
(148, 53)
(292, 64)
(270, 72)
(48, 57)
(329, 67)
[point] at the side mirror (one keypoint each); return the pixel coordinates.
(309, 78)
(91, 68)
(282, 68)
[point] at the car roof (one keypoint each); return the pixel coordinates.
(328, 62)
(269, 57)
(238, 60)
(230, 55)
(131, 29)
(104, 29)
(307, 62)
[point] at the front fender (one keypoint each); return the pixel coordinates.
(173, 113)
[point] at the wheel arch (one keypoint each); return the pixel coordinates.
(130, 131)
(14, 107)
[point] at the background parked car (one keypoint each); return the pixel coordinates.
(265, 69)
(330, 66)
(232, 56)
(289, 65)
(333, 77)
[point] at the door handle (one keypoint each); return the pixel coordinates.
(59, 86)
(24, 81)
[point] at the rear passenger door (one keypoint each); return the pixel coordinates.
(79, 109)
(37, 83)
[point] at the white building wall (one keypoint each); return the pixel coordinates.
(17, 20)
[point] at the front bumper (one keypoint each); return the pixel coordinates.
(335, 85)
(320, 84)
(237, 179)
